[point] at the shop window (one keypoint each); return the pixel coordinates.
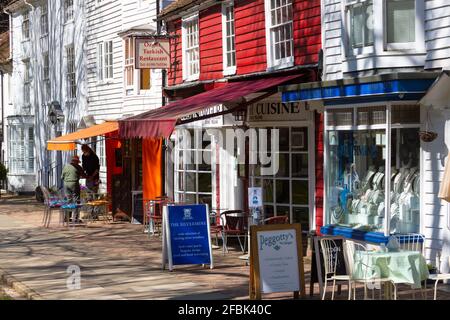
(407, 114)
(193, 170)
(279, 32)
(355, 175)
(340, 117)
(286, 192)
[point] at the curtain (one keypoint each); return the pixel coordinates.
(151, 168)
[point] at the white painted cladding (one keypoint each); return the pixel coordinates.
(433, 51)
(60, 36)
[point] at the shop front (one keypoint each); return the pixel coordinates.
(289, 190)
(374, 160)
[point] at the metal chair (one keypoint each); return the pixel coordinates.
(153, 214)
(411, 241)
(371, 275)
(234, 224)
(438, 276)
(51, 203)
(330, 259)
(276, 220)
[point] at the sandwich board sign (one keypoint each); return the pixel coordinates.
(186, 235)
(276, 260)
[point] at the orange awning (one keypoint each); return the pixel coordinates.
(68, 141)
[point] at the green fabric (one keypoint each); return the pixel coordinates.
(401, 267)
(70, 174)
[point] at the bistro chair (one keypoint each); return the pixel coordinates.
(436, 277)
(51, 203)
(276, 220)
(411, 241)
(370, 276)
(214, 225)
(330, 261)
(154, 214)
(234, 224)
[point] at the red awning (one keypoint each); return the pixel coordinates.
(159, 123)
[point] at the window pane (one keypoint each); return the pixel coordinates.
(145, 79)
(190, 181)
(300, 192)
(268, 190)
(283, 191)
(300, 165)
(401, 21)
(204, 182)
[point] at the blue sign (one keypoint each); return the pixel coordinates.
(188, 234)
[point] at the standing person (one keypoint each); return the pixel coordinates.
(71, 175)
(91, 166)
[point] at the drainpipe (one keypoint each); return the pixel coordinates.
(164, 166)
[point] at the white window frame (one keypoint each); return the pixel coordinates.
(364, 49)
(183, 145)
(46, 75)
(26, 31)
(43, 20)
(231, 69)
(186, 20)
(380, 46)
(21, 149)
(105, 61)
(71, 80)
(26, 82)
(68, 10)
(272, 63)
(129, 65)
(418, 44)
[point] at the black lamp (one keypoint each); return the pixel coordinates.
(55, 113)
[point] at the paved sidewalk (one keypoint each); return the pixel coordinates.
(117, 261)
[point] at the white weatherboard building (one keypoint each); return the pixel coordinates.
(382, 85)
(75, 58)
(116, 89)
(47, 48)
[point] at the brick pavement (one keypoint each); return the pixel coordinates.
(117, 261)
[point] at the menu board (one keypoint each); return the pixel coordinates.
(186, 235)
(276, 260)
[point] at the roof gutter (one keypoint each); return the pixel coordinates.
(187, 9)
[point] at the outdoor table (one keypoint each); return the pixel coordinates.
(68, 210)
(96, 205)
(407, 267)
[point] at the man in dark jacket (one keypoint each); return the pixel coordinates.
(91, 166)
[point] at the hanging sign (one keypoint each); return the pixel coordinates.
(186, 235)
(276, 260)
(152, 53)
